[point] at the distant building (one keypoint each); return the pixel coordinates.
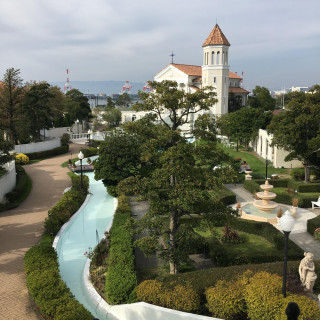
(214, 72)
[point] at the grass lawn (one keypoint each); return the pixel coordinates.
(258, 165)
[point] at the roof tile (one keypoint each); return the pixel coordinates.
(216, 37)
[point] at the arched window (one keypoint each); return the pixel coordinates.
(218, 57)
(212, 57)
(134, 117)
(222, 58)
(226, 58)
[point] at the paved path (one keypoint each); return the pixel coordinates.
(22, 227)
(299, 235)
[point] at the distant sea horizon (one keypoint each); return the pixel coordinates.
(96, 87)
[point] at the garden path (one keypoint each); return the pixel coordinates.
(22, 227)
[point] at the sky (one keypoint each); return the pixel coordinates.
(276, 43)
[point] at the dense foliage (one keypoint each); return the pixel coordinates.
(48, 153)
(45, 285)
(257, 297)
(121, 278)
(180, 180)
(296, 129)
(67, 206)
(25, 109)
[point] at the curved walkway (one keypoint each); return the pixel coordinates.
(22, 227)
(299, 235)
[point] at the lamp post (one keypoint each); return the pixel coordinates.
(89, 134)
(266, 169)
(81, 156)
(237, 130)
(286, 223)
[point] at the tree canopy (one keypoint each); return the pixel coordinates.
(244, 124)
(180, 181)
(262, 99)
(297, 129)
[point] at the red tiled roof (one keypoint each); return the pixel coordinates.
(238, 90)
(216, 37)
(233, 75)
(189, 69)
(199, 79)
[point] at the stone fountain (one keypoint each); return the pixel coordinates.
(262, 209)
(265, 204)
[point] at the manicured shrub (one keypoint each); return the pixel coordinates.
(226, 300)
(21, 184)
(263, 296)
(251, 185)
(121, 278)
(44, 283)
(309, 309)
(227, 197)
(303, 187)
(65, 139)
(297, 174)
(178, 298)
(48, 153)
(21, 158)
(313, 224)
(70, 202)
(90, 152)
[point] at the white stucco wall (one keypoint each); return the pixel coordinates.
(37, 146)
(275, 155)
(8, 180)
(55, 132)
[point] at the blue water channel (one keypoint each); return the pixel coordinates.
(84, 231)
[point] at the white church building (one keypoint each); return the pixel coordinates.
(214, 72)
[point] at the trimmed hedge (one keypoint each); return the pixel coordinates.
(256, 297)
(307, 192)
(121, 279)
(67, 206)
(90, 152)
(227, 197)
(313, 224)
(180, 298)
(48, 153)
(200, 280)
(304, 187)
(20, 192)
(44, 283)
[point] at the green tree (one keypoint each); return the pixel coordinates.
(244, 124)
(35, 110)
(182, 182)
(297, 130)
(261, 99)
(119, 158)
(11, 94)
(77, 106)
(123, 100)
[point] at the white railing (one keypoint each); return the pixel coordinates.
(8, 180)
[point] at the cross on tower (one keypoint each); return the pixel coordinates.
(172, 55)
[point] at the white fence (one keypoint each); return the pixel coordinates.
(37, 146)
(8, 181)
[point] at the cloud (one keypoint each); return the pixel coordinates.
(132, 40)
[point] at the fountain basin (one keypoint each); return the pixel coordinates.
(265, 205)
(251, 212)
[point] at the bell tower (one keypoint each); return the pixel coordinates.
(215, 68)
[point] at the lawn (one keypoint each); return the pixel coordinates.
(258, 165)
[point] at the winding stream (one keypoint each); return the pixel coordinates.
(84, 231)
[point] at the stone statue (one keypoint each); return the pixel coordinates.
(306, 271)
